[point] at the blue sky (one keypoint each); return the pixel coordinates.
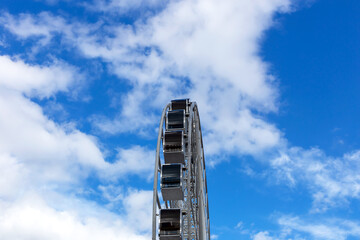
(82, 86)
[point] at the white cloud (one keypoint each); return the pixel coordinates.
(239, 225)
(316, 228)
(138, 205)
(36, 81)
(329, 229)
(123, 6)
(33, 218)
(135, 160)
(230, 69)
(262, 236)
(25, 25)
(40, 160)
(35, 150)
(33, 147)
(112, 193)
(12, 173)
(214, 236)
(201, 49)
(44, 27)
(332, 181)
(49, 150)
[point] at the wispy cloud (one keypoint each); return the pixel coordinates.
(313, 227)
(332, 181)
(123, 6)
(330, 229)
(262, 236)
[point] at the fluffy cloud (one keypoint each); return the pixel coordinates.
(217, 65)
(138, 205)
(58, 152)
(43, 155)
(33, 218)
(17, 76)
(49, 151)
(227, 80)
(11, 172)
(135, 160)
(40, 160)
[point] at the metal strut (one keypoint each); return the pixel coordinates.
(182, 212)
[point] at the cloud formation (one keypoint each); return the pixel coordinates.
(331, 229)
(45, 158)
(192, 48)
(40, 159)
(332, 181)
(150, 58)
(33, 218)
(317, 228)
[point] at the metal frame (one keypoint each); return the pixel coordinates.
(195, 206)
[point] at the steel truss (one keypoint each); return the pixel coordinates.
(180, 208)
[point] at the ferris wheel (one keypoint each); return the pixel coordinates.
(180, 198)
